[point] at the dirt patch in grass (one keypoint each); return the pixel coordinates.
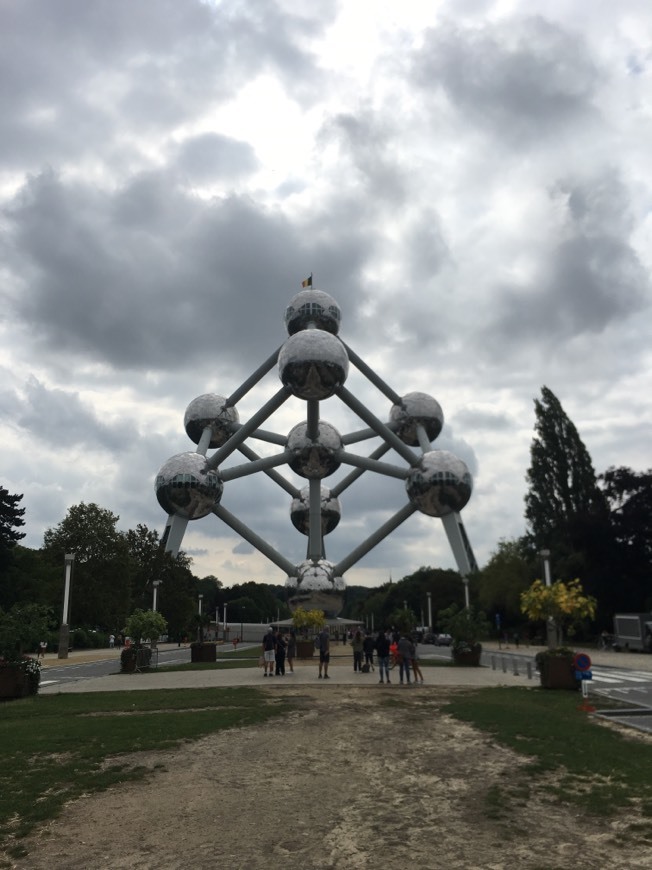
(354, 777)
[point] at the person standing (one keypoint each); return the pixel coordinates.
(382, 653)
(280, 654)
(414, 659)
(269, 652)
(324, 646)
(291, 650)
(404, 657)
(368, 648)
(111, 641)
(356, 643)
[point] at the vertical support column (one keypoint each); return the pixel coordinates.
(64, 631)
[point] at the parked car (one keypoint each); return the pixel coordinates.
(429, 637)
(443, 640)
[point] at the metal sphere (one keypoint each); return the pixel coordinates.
(313, 363)
(313, 307)
(316, 588)
(210, 410)
(330, 511)
(314, 459)
(440, 484)
(416, 408)
(185, 486)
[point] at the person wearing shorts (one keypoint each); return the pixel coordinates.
(269, 652)
(324, 652)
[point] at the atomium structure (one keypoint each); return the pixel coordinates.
(313, 365)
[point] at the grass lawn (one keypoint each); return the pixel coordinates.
(54, 746)
(595, 767)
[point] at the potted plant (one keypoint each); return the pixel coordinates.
(201, 650)
(141, 624)
(556, 668)
(307, 621)
(21, 628)
(466, 627)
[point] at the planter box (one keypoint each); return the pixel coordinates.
(470, 659)
(305, 649)
(558, 672)
(14, 682)
(203, 652)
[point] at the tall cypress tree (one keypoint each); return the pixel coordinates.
(11, 519)
(563, 491)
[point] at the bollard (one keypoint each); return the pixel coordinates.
(529, 670)
(504, 664)
(493, 663)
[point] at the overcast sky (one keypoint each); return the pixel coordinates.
(471, 181)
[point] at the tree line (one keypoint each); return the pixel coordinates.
(596, 528)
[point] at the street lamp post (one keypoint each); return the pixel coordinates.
(429, 594)
(155, 585)
(64, 632)
(199, 631)
(551, 628)
(225, 628)
(241, 624)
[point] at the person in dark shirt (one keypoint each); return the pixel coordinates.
(382, 653)
(368, 649)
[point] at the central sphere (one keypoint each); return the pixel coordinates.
(187, 487)
(313, 364)
(314, 459)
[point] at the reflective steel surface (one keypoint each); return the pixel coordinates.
(313, 306)
(441, 484)
(209, 410)
(330, 511)
(187, 487)
(314, 459)
(313, 363)
(417, 408)
(315, 588)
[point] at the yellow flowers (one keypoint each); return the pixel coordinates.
(307, 618)
(562, 602)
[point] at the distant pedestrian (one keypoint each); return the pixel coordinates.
(382, 653)
(291, 651)
(42, 648)
(414, 659)
(111, 641)
(404, 658)
(269, 652)
(356, 643)
(368, 645)
(324, 647)
(280, 654)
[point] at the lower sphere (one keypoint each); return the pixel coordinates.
(440, 484)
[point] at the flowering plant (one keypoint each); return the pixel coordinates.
(562, 603)
(308, 619)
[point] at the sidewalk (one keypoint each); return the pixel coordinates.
(305, 673)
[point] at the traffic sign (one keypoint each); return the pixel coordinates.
(582, 662)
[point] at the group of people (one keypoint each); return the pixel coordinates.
(389, 647)
(278, 648)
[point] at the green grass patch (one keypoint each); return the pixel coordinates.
(599, 769)
(55, 747)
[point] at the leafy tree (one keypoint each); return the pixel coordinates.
(629, 495)
(144, 624)
(21, 629)
(101, 588)
(563, 485)
(11, 519)
(501, 581)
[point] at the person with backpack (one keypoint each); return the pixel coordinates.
(382, 652)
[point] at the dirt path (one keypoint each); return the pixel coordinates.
(353, 779)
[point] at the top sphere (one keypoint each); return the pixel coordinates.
(210, 410)
(415, 409)
(313, 306)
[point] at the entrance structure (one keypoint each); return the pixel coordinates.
(313, 365)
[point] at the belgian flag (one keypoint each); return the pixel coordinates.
(307, 282)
